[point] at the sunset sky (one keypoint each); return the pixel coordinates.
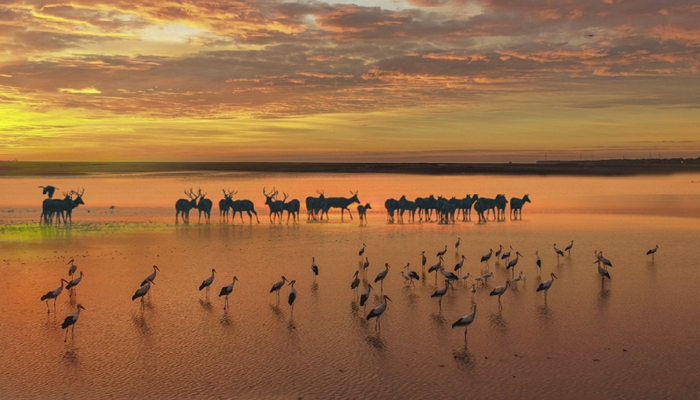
(402, 80)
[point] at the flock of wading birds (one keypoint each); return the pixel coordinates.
(409, 276)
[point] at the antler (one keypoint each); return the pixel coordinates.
(354, 193)
(265, 192)
(285, 196)
(319, 192)
(81, 192)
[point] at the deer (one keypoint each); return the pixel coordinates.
(292, 208)
(183, 206)
(516, 206)
(391, 206)
(68, 206)
(342, 203)
(275, 205)
(238, 206)
(362, 212)
(314, 205)
(204, 206)
(224, 206)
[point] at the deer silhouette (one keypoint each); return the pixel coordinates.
(224, 206)
(362, 212)
(183, 206)
(292, 208)
(516, 206)
(276, 206)
(501, 203)
(204, 206)
(238, 206)
(61, 209)
(342, 203)
(407, 205)
(314, 205)
(391, 205)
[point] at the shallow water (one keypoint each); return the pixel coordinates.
(633, 338)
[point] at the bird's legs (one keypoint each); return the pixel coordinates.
(226, 302)
(48, 310)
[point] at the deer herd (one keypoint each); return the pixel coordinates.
(440, 209)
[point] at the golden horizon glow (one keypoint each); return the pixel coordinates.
(494, 80)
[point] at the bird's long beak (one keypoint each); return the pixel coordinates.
(387, 297)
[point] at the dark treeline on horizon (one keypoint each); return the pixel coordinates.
(611, 167)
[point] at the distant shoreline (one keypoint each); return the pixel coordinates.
(574, 168)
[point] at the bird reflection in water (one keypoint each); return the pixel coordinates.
(438, 318)
(276, 311)
(545, 312)
(464, 358)
(498, 322)
(376, 342)
(206, 304)
(70, 357)
(225, 319)
(140, 323)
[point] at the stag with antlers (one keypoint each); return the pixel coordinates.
(274, 204)
(204, 206)
(224, 206)
(183, 206)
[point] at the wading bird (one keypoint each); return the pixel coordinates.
(459, 240)
(53, 294)
(499, 290)
(435, 268)
(314, 267)
(441, 252)
(362, 250)
(411, 273)
(366, 264)
(70, 321)
(559, 252)
(499, 251)
(141, 292)
(603, 273)
(537, 259)
(441, 292)
(465, 321)
(292, 294)
(72, 268)
(465, 277)
(355, 281)
(460, 264)
(74, 282)
(484, 278)
(546, 285)
(380, 276)
(378, 311)
(652, 252)
(520, 277)
(568, 248)
(152, 276)
(512, 263)
(277, 286)
(423, 261)
(603, 260)
(226, 290)
(408, 279)
(506, 255)
(365, 296)
(207, 282)
(449, 275)
(486, 257)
